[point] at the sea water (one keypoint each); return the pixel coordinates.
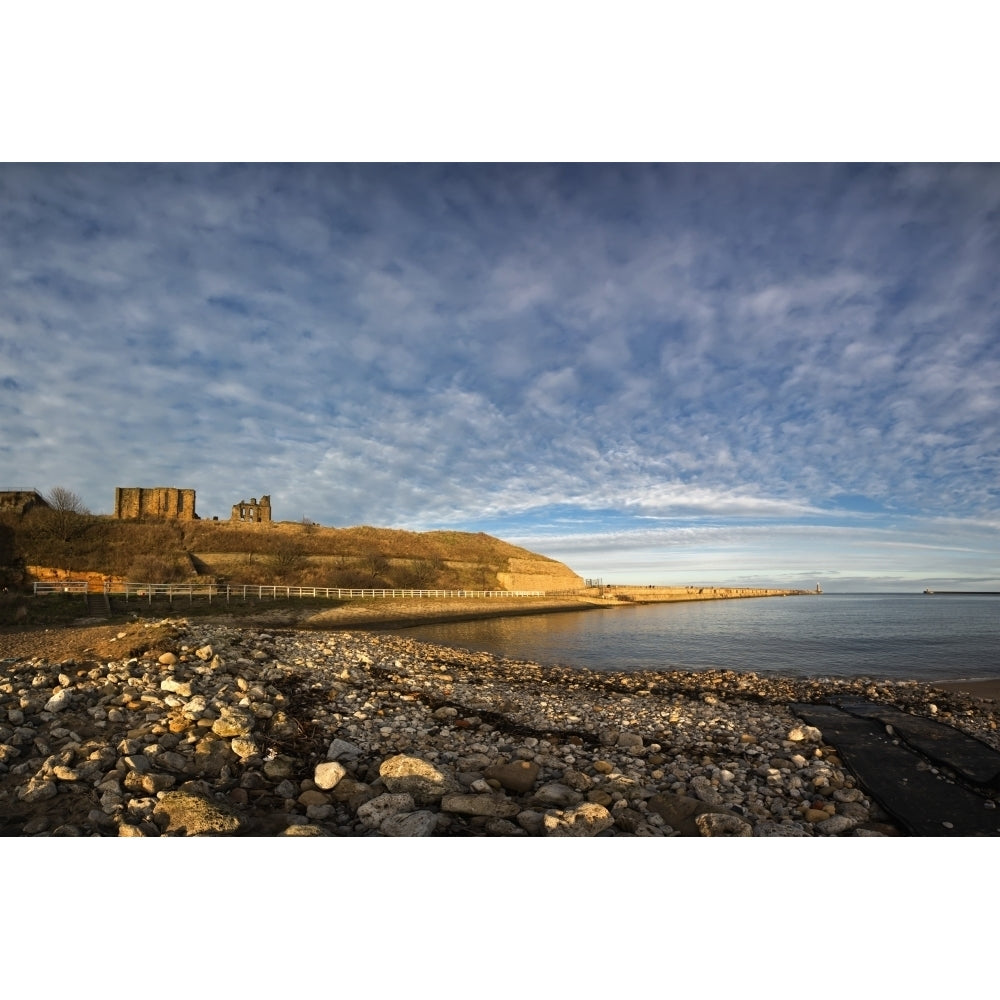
(891, 636)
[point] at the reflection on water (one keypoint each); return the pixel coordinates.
(876, 635)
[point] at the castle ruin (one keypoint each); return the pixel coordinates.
(21, 499)
(251, 511)
(157, 501)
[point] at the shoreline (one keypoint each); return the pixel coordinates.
(181, 727)
(984, 689)
(185, 726)
(395, 616)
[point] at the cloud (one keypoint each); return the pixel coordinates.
(469, 345)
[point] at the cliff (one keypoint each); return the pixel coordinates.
(539, 573)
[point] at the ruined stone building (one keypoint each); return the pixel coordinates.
(252, 511)
(154, 501)
(21, 499)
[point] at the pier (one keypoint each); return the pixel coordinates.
(657, 595)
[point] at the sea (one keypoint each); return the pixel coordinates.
(879, 636)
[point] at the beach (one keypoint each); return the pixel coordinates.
(980, 689)
(277, 727)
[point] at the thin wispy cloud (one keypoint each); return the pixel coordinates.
(778, 351)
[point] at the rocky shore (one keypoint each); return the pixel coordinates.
(185, 727)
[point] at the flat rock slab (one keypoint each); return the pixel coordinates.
(898, 778)
(971, 759)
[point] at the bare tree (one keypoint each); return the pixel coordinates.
(64, 518)
(287, 557)
(66, 501)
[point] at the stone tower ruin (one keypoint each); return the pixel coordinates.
(251, 511)
(156, 501)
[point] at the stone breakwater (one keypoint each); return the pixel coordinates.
(235, 731)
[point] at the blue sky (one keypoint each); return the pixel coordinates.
(679, 373)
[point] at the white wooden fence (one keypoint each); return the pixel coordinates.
(211, 591)
(61, 587)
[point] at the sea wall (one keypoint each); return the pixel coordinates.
(662, 594)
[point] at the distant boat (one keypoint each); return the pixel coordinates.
(928, 591)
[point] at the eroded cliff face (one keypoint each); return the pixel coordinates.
(538, 574)
(52, 574)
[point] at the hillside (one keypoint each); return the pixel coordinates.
(283, 552)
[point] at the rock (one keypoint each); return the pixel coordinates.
(59, 701)
(769, 828)
(630, 741)
(518, 776)
(577, 780)
(416, 777)
(376, 811)
(190, 814)
(704, 790)
(722, 825)
(555, 793)
(313, 797)
(343, 750)
(415, 824)
(586, 820)
(244, 746)
(38, 790)
(253, 744)
(234, 721)
(328, 774)
(167, 659)
(148, 784)
(280, 767)
(848, 795)
(628, 820)
(810, 733)
(835, 825)
(682, 811)
(475, 804)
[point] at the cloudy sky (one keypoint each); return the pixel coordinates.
(743, 374)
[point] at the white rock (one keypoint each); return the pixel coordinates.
(59, 701)
(376, 811)
(328, 773)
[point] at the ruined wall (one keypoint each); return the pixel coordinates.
(21, 500)
(155, 501)
(251, 511)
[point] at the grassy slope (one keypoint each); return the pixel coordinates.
(285, 552)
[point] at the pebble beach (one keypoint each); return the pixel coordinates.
(184, 727)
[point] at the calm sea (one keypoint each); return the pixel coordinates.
(898, 636)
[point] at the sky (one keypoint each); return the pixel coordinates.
(676, 373)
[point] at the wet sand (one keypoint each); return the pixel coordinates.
(977, 689)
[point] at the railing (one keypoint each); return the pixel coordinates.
(61, 587)
(148, 591)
